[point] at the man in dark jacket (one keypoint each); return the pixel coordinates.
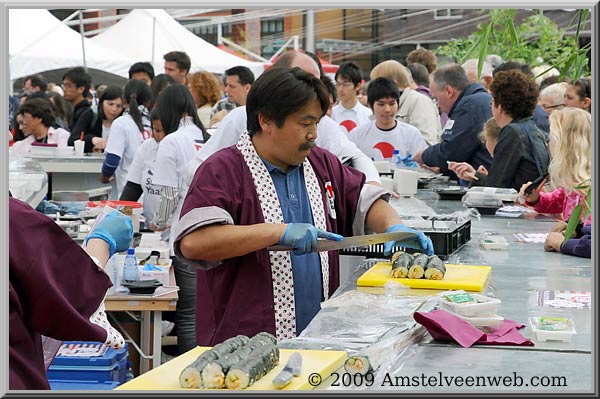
(76, 85)
(468, 106)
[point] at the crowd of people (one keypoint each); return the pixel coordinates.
(227, 166)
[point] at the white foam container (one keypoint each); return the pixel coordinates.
(547, 335)
(484, 307)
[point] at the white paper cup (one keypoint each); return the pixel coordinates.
(79, 146)
(405, 182)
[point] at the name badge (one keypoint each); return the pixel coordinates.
(449, 124)
(330, 200)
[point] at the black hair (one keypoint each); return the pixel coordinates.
(39, 108)
(37, 80)
(136, 92)
(330, 87)
(38, 94)
(583, 87)
(154, 115)
(280, 92)
(510, 65)
(419, 73)
(173, 102)
(349, 71)
(145, 67)
(110, 93)
(159, 83)
(452, 75)
(80, 78)
(244, 74)
(61, 106)
(180, 58)
(382, 88)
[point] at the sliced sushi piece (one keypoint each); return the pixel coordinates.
(400, 264)
(435, 269)
(292, 369)
(259, 362)
(417, 268)
(358, 365)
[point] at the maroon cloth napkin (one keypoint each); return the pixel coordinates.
(445, 326)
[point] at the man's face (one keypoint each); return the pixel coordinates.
(346, 90)
(385, 110)
(443, 97)
(172, 70)
(27, 87)
(291, 143)
(71, 91)
(236, 91)
(143, 76)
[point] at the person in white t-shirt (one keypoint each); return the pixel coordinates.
(379, 138)
(140, 179)
(184, 135)
(349, 112)
(126, 134)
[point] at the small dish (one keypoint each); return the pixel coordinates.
(141, 287)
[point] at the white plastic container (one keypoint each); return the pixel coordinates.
(490, 321)
(542, 334)
(484, 307)
(492, 240)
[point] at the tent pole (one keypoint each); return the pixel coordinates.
(153, 37)
(82, 39)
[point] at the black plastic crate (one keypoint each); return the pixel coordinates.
(444, 243)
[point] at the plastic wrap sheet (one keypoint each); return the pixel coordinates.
(411, 206)
(26, 178)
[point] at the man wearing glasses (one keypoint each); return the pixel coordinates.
(349, 112)
(76, 86)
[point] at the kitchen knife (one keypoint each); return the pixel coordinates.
(351, 242)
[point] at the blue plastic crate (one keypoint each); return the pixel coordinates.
(74, 385)
(116, 373)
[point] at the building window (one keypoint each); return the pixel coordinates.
(271, 26)
(448, 13)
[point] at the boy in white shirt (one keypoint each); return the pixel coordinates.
(349, 112)
(380, 137)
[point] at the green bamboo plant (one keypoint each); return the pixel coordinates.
(575, 217)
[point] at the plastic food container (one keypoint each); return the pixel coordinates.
(489, 321)
(480, 306)
(547, 328)
(492, 240)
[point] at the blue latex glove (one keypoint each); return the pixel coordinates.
(408, 161)
(421, 242)
(116, 229)
(303, 237)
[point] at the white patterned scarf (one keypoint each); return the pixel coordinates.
(281, 261)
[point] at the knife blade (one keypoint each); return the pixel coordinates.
(350, 242)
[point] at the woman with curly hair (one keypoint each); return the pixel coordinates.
(206, 91)
(521, 153)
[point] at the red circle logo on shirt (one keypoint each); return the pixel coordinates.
(348, 124)
(386, 149)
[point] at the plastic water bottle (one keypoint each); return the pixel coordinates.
(395, 161)
(130, 267)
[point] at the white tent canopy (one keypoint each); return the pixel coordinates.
(148, 34)
(40, 42)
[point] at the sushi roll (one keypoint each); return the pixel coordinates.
(435, 269)
(257, 364)
(213, 375)
(400, 263)
(417, 268)
(191, 376)
(358, 365)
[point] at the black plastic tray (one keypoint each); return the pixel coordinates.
(447, 194)
(444, 243)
